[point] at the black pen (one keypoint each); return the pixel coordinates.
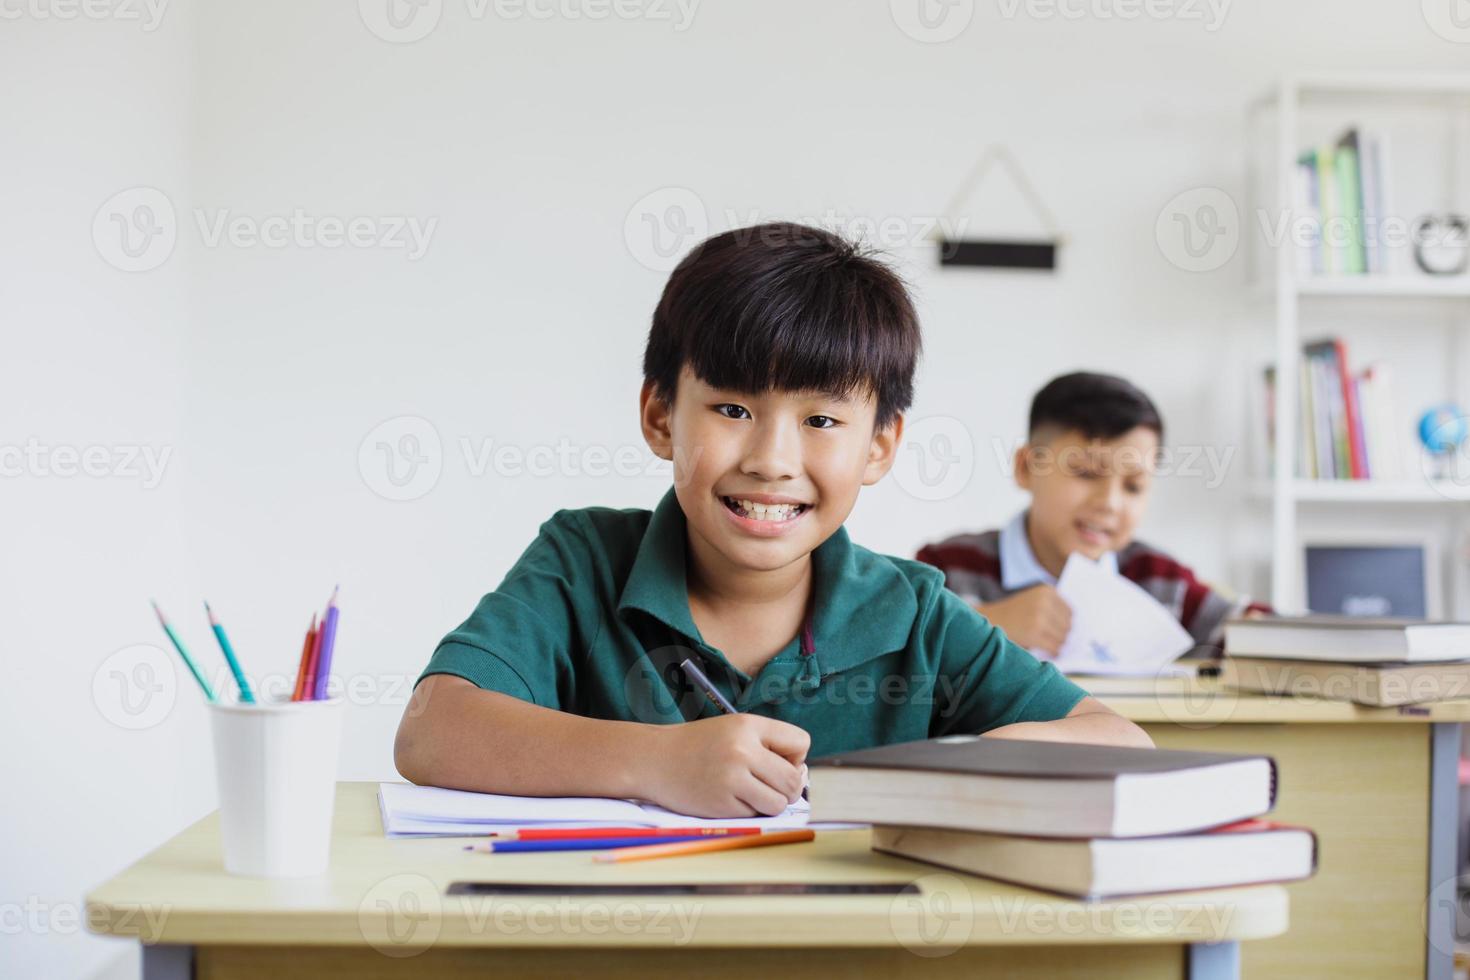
(692, 671)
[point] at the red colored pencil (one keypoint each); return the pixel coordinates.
(582, 833)
(309, 690)
(305, 655)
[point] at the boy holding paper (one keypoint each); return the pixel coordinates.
(776, 373)
(1088, 463)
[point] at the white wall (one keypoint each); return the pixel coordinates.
(528, 142)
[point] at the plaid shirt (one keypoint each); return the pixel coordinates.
(972, 568)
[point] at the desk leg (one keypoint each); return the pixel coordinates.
(1444, 838)
(1212, 961)
(168, 962)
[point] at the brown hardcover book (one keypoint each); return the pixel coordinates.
(1381, 685)
(1245, 853)
(1048, 789)
(1347, 639)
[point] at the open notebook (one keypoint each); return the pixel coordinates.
(426, 811)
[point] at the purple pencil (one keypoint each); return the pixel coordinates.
(324, 660)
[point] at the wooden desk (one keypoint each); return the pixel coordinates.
(1380, 788)
(381, 912)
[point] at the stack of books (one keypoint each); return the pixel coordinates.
(1342, 192)
(1085, 820)
(1380, 662)
(1347, 426)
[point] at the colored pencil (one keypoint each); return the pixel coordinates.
(575, 833)
(324, 659)
(247, 696)
(681, 848)
(299, 691)
(584, 844)
(179, 646)
(308, 691)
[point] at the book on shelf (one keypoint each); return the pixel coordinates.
(1345, 418)
(1341, 199)
(1046, 789)
(1242, 853)
(1347, 639)
(1382, 685)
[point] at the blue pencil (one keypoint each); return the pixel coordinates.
(179, 646)
(578, 844)
(324, 659)
(246, 695)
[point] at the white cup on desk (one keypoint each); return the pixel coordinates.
(276, 764)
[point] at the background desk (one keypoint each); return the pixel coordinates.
(380, 911)
(1380, 788)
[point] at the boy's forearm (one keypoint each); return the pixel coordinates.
(1089, 722)
(456, 735)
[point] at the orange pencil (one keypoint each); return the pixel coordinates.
(728, 842)
(305, 655)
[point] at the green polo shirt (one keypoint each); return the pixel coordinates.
(594, 619)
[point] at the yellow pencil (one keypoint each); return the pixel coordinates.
(727, 843)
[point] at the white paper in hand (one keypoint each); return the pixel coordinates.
(1117, 627)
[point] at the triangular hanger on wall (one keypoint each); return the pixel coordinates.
(1001, 253)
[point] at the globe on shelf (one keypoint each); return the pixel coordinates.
(1442, 431)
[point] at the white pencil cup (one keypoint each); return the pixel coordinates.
(276, 763)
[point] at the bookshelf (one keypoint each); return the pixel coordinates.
(1368, 491)
(1306, 306)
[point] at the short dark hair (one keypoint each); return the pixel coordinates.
(786, 307)
(1100, 406)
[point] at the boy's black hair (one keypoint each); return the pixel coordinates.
(1100, 406)
(786, 307)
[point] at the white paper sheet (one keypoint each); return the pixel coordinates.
(1118, 629)
(427, 811)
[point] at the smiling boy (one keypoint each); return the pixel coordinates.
(1089, 464)
(777, 369)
